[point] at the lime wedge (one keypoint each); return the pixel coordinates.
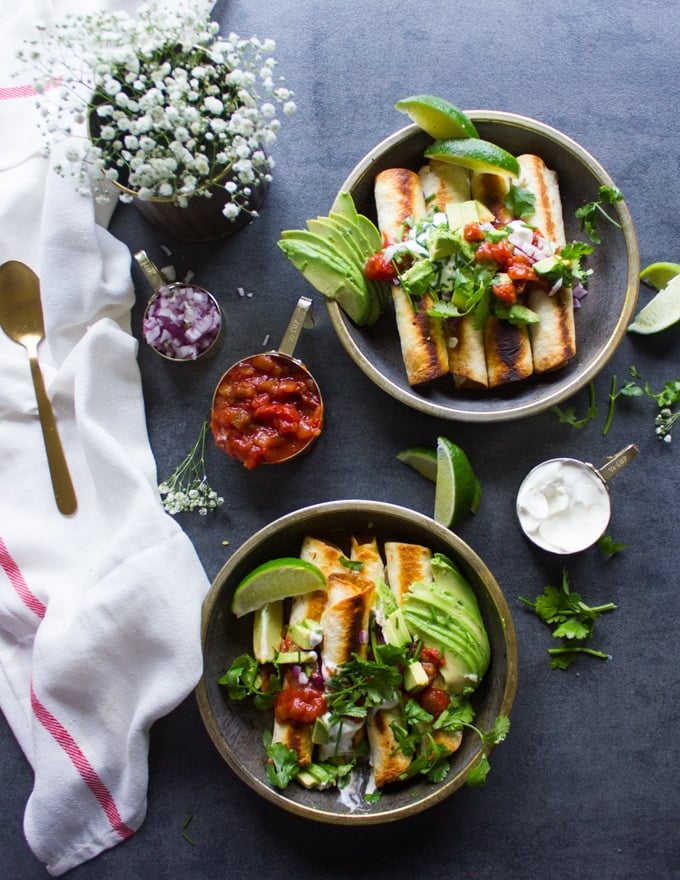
(437, 117)
(421, 459)
(476, 154)
(456, 490)
(661, 312)
(657, 275)
(274, 580)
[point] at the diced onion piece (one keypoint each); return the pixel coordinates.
(181, 322)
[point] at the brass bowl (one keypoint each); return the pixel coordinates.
(601, 323)
(236, 728)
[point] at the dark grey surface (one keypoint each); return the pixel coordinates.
(587, 784)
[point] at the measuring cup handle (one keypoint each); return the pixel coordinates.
(151, 271)
(300, 318)
(618, 461)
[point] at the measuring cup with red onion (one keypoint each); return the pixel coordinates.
(563, 504)
(182, 322)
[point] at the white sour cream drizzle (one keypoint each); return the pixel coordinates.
(563, 506)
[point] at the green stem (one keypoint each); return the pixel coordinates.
(610, 412)
(591, 651)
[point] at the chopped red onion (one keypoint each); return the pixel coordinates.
(181, 322)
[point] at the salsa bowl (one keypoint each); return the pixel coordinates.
(237, 728)
(601, 322)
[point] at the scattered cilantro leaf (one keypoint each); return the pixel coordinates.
(282, 765)
(609, 546)
(570, 619)
(590, 213)
(244, 679)
(351, 564)
(360, 685)
(478, 772)
(569, 417)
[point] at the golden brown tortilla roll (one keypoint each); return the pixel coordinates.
(553, 339)
(386, 758)
(508, 352)
(443, 183)
(368, 553)
(491, 190)
(345, 619)
(399, 196)
(406, 564)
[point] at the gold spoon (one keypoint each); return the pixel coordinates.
(21, 318)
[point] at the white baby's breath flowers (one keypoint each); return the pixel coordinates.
(187, 489)
(159, 103)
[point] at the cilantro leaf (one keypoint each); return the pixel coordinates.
(590, 213)
(520, 201)
(570, 620)
(609, 546)
(478, 772)
(360, 685)
(282, 766)
(569, 417)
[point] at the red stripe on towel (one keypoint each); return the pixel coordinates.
(16, 579)
(7, 93)
(89, 775)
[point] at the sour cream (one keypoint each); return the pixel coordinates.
(563, 505)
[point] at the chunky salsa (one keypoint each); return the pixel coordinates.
(266, 409)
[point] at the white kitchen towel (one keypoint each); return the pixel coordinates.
(99, 611)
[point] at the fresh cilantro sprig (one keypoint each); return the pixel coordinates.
(570, 619)
(359, 685)
(417, 736)
(665, 399)
(244, 679)
(282, 764)
(569, 416)
(520, 201)
(590, 213)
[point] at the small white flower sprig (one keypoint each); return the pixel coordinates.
(187, 489)
(159, 103)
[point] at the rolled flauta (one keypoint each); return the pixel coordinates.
(508, 352)
(553, 339)
(367, 553)
(491, 190)
(386, 757)
(345, 619)
(399, 197)
(406, 564)
(444, 184)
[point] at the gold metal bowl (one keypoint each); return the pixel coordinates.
(600, 324)
(236, 728)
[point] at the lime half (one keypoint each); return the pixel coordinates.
(657, 275)
(476, 154)
(277, 579)
(421, 459)
(457, 489)
(437, 117)
(661, 312)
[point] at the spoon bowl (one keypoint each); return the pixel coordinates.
(21, 318)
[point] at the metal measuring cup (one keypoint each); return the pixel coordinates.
(236, 439)
(176, 289)
(563, 504)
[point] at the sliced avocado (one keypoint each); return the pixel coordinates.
(459, 214)
(320, 732)
(415, 676)
(296, 657)
(442, 243)
(395, 630)
(307, 634)
(370, 232)
(326, 251)
(344, 204)
(483, 213)
(267, 628)
(338, 237)
(546, 265)
(418, 278)
(329, 278)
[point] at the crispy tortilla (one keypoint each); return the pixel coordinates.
(553, 339)
(345, 619)
(406, 564)
(491, 190)
(445, 184)
(387, 759)
(399, 196)
(508, 352)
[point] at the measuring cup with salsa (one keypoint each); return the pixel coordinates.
(267, 408)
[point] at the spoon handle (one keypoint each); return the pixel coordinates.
(64, 493)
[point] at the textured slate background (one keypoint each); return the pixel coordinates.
(587, 784)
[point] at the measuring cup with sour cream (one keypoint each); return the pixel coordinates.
(563, 504)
